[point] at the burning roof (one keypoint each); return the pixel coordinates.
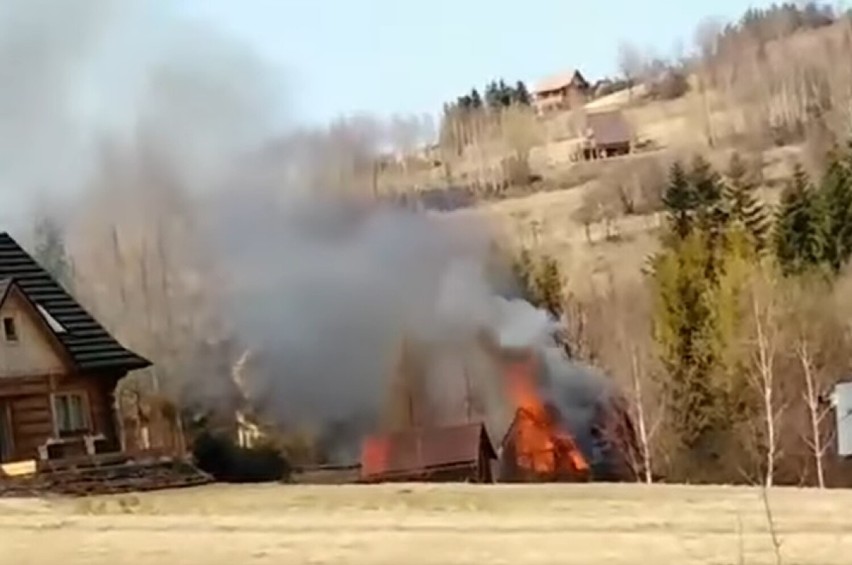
(537, 445)
(462, 451)
(542, 438)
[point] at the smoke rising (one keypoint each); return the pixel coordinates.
(194, 223)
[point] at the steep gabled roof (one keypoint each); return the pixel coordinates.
(560, 81)
(89, 345)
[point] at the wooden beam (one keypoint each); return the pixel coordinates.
(23, 386)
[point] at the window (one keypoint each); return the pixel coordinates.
(70, 414)
(9, 329)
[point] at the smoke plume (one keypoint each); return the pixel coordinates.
(196, 231)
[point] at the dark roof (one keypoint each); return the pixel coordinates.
(420, 449)
(608, 128)
(89, 345)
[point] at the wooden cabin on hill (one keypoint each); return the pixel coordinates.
(59, 367)
(564, 91)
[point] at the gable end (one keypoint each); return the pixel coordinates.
(90, 347)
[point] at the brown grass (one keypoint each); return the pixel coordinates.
(434, 524)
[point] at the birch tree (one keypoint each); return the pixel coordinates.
(765, 314)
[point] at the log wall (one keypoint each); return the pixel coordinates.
(28, 402)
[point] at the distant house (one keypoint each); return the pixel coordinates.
(448, 453)
(561, 92)
(607, 134)
(58, 367)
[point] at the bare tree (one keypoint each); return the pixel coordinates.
(405, 135)
(631, 63)
(765, 314)
(620, 332)
(819, 347)
(647, 430)
(707, 41)
(817, 409)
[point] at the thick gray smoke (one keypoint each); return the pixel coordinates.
(327, 290)
(324, 291)
(321, 290)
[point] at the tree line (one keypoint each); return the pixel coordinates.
(498, 95)
(733, 342)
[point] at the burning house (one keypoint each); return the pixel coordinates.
(462, 453)
(537, 446)
(504, 395)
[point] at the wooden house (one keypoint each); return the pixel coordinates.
(564, 91)
(58, 367)
(461, 453)
(607, 134)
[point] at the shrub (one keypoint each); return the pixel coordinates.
(670, 85)
(219, 456)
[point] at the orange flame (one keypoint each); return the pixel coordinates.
(375, 455)
(541, 447)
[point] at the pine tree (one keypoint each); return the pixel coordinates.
(506, 94)
(475, 99)
(800, 226)
(836, 195)
(711, 215)
(684, 328)
(492, 96)
(743, 207)
(680, 202)
(50, 251)
(548, 284)
(523, 270)
(540, 281)
(522, 95)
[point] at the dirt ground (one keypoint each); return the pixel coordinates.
(430, 524)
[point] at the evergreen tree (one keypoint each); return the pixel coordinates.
(836, 196)
(492, 96)
(711, 215)
(800, 226)
(475, 99)
(540, 281)
(523, 270)
(743, 207)
(680, 202)
(684, 328)
(50, 251)
(465, 102)
(522, 95)
(506, 94)
(548, 285)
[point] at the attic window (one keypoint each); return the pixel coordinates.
(9, 329)
(51, 321)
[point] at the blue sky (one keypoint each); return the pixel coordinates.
(389, 56)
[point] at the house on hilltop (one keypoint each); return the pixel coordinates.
(59, 367)
(561, 92)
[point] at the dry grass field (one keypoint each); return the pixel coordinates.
(430, 524)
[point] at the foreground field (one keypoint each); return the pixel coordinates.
(430, 524)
